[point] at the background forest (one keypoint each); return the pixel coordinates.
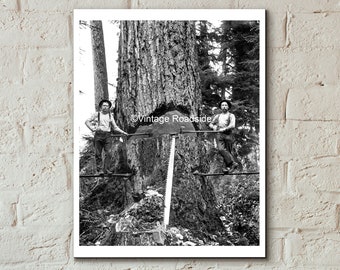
(113, 212)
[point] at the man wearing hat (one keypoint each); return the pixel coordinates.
(225, 123)
(100, 123)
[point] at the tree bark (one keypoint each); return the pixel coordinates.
(99, 62)
(158, 76)
(157, 69)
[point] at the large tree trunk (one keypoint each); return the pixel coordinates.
(158, 77)
(157, 69)
(99, 63)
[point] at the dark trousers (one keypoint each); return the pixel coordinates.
(225, 146)
(102, 141)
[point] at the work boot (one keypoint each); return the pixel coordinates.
(233, 166)
(108, 172)
(225, 170)
(230, 168)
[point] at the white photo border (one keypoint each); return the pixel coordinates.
(171, 251)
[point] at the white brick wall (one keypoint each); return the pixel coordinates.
(314, 103)
(34, 29)
(67, 7)
(183, 4)
(303, 93)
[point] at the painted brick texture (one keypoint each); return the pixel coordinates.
(303, 135)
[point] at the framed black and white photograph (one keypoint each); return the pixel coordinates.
(169, 133)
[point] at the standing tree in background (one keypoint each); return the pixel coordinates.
(240, 57)
(166, 69)
(208, 76)
(213, 84)
(99, 62)
(241, 40)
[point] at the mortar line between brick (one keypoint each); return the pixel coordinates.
(70, 29)
(337, 221)
(284, 251)
(282, 242)
(68, 247)
(18, 209)
(325, 156)
(285, 175)
(68, 172)
(338, 147)
(19, 5)
(15, 212)
(287, 28)
(285, 106)
(322, 12)
(311, 120)
(24, 62)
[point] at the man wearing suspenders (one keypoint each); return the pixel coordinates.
(100, 123)
(225, 123)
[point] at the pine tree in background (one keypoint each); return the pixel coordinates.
(212, 84)
(242, 40)
(166, 66)
(99, 62)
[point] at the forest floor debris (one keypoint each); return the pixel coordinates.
(143, 220)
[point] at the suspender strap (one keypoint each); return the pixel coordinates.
(99, 117)
(111, 125)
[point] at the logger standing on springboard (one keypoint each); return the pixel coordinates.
(225, 123)
(100, 123)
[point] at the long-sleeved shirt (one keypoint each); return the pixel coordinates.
(104, 122)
